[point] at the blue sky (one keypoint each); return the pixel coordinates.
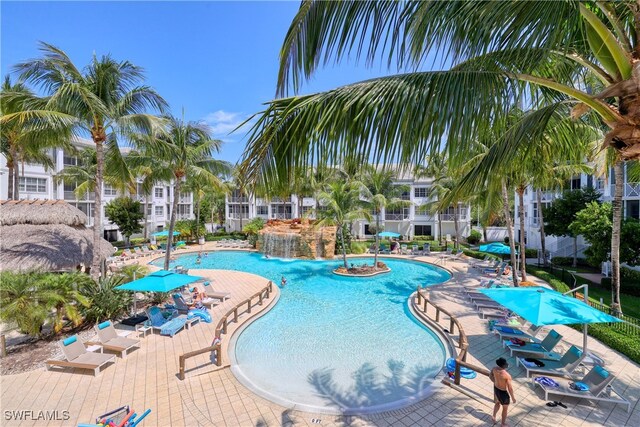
(217, 60)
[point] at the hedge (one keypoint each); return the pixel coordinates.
(479, 255)
(629, 282)
(568, 261)
(619, 341)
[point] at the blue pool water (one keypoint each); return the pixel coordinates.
(334, 342)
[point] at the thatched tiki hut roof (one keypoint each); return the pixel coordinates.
(47, 235)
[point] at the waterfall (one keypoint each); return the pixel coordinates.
(282, 245)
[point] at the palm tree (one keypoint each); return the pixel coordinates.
(382, 194)
(181, 153)
(28, 131)
(65, 297)
(576, 54)
(105, 99)
(342, 204)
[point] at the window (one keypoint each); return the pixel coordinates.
(306, 211)
(70, 160)
(633, 209)
(33, 185)
(262, 210)
(367, 231)
(158, 192)
(405, 195)
(109, 190)
(420, 192)
(159, 210)
(422, 230)
(186, 209)
(599, 184)
(575, 183)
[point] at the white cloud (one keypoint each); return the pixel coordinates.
(222, 122)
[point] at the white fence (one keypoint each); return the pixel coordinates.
(494, 234)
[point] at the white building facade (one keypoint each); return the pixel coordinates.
(563, 246)
(410, 221)
(36, 182)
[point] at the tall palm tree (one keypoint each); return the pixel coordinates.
(107, 101)
(342, 204)
(182, 152)
(382, 194)
(28, 131)
(555, 52)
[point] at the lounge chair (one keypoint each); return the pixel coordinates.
(167, 326)
(77, 356)
(383, 249)
(487, 265)
(508, 332)
(563, 367)
(426, 250)
(109, 339)
(545, 346)
(415, 250)
(183, 306)
(128, 254)
(597, 380)
(208, 289)
(404, 250)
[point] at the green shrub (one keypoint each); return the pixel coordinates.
(568, 261)
(252, 229)
(138, 241)
(106, 301)
(478, 254)
(359, 247)
(531, 253)
(474, 237)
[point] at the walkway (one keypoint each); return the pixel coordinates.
(212, 396)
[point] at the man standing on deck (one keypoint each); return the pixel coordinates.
(502, 389)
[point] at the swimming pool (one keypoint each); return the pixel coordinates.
(334, 343)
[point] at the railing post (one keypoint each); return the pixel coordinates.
(219, 355)
(425, 305)
(260, 298)
(437, 314)
(452, 325)
(224, 325)
(235, 314)
(181, 374)
(249, 306)
(456, 378)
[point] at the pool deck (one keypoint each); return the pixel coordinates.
(210, 395)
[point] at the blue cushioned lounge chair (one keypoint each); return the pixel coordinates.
(167, 326)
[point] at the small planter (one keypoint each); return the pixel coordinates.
(201, 241)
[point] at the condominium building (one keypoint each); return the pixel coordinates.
(36, 182)
(563, 246)
(414, 220)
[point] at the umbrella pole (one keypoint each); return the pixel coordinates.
(585, 328)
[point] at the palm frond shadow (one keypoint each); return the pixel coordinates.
(371, 387)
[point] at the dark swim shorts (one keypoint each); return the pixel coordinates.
(501, 395)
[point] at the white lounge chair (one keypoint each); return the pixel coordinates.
(563, 367)
(543, 347)
(597, 379)
(77, 356)
(109, 339)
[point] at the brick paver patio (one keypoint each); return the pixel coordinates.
(210, 395)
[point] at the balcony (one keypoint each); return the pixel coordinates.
(238, 199)
(70, 195)
(281, 216)
(396, 216)
(238, 216)
(281, 199)
(450, 217)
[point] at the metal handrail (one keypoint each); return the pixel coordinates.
(221, 328)
(463, 343)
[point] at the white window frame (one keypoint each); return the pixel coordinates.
(157, 190)
(161, 210)
(38, 185)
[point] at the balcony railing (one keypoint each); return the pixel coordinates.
(70, 195)
(281, 216)
(396, 217)
(450, 217)
(238, 199)
(237, 215)
(281, 200)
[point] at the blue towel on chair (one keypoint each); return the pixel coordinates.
(173, 326)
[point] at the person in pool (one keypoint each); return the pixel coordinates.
(198, 260)
(283, 282)
(502, 390)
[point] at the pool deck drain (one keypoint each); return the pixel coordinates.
(208, 396)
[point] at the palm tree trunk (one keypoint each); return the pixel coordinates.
(616, 308)
(377, 249)
(16, 180)
(484, 233)
(523, 249)
(172, 222)
(456, 226)
(97, 215)
(344, 250)
(198, 218)
(10, 182)
(507, 218)
(541, 224)
(146, 216)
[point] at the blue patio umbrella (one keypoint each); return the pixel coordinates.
(542, 306)
(165, 233)
(389, 234)
(159, 281)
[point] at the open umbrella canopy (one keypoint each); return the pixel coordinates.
(496, 248)
(159, 281)
(165, 233)
(542, 306)
(389, 234)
